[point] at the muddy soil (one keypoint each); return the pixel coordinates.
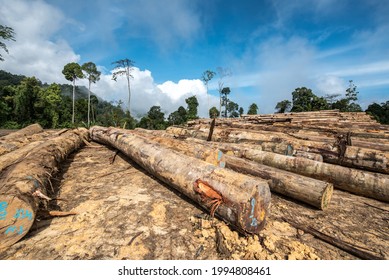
(124, 213)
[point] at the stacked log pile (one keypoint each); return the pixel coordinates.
(348, 150)
(229, 167)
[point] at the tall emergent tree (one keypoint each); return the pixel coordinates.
(6, 33)
(72, 71)
(124, 67)
(91, 73)
(223, 73)
(348, 103)
(206, 77)
(224, 100)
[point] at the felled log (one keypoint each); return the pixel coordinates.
(240, 200)
(27, 131)
(364, 183)
(24, 183)
(311, 191)
(17, 155)
(17, 139)
(337, 153)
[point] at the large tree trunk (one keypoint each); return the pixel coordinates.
(365, 183)
(17, 155)
(23, 183)
(311, 191)
(18, 138)
(244, 200)
(337, 153)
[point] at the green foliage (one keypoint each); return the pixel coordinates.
(232, 109)
(155, 119)
(177, 117)
(48, 106)
(25, 100)
(379, 112)
(192, 107)
(6, 33)
(72, 71)
(283, 106)
(26, 95)
(207, 76)
(347, 104)
(253, 109)
(305, 100)
(122, 67)
(214, 112)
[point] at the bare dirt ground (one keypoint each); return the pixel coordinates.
(124, 213)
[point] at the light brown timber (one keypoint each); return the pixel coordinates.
(22, 184)
(311, 191)
(245, 199)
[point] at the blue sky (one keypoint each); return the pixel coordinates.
(270, 47)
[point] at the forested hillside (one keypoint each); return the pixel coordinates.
(26, 100)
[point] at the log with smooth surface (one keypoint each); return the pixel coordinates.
(311, 191)
(245, 201)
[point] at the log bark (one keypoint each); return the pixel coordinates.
(16, 155)
(22, 184)
(18, 138)
(27, 131)
(337, 153)
(369, 184)
(311, 191)
(245, 200)
(360, 182)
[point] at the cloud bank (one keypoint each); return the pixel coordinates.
(37, 52)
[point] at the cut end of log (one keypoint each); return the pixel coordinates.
(254, 213)
(16, 219)
(327, 195)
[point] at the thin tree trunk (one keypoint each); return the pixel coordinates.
(74, 97)
(244, 200)
(89, 103)
(129, 91)
(22, 184)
